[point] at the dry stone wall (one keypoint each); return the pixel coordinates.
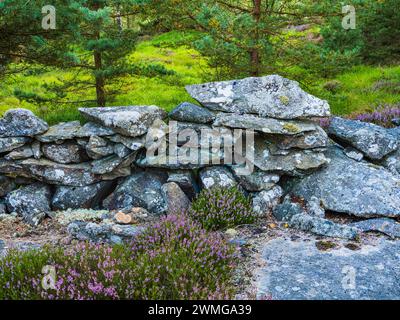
(121, 158)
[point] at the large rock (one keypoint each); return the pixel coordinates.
(31, 202)
(264, 125)
(142, 189)
(131, 121)
(77, 175)
(21, 123)
(176, 200)
(271, 96)
(60, 132)
(291, 162)
(93, 129)
(217, 177)
(87, 197)
(191, 113)
(23, 152)
(9, 144)
(372, 140)
(65, 153)
(357, 188)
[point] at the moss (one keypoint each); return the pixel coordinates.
(290, 127)
(325, 245)
(285, 100)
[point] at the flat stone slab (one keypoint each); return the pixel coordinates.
(297, 270)
(271, 96)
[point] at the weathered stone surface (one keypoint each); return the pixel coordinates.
(307, 140)
(357, 188)
(104, 232)
(121, 151)
(176, 200)
(322, 227)
(191, 113)
(6, 185)
(9, 144)
(314, 207)
(383, 225)
(36, 149)
(217, 177)
(372, 140)
(31, 202)
(51, 172)
(133, 144)
(131, 121)
(98, 148)
(142, 189)
(353, 154)
(87, 197)
(256, 181)
(264, 125)
(270, 96)
(186, 181)
(286, 210)
(290, 162)
(265, 201)
(21, 123)
(297, 270)
(65, 153)
(23, 152)
(392, 162)
(110, 164)
(60, 132)
(93, 129)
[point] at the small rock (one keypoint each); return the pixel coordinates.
(60, 132)
(256, 181)
(396, 121)
(353, 154)
(176, 200)
(265, 201)
(217, 177)
(186, 181)
(23, 152)
(98, 148)
(93, 129)
(383, 225)
(314, 208)
(6, 185)
(111, 163)
(12, 143)
(64, 153)
(231, 233)
(191, 113)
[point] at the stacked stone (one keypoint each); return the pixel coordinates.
(105, 164)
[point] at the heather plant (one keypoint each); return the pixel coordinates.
(382, 116)
(220, 208)
(174, 259)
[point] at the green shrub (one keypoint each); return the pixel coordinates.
(174, 259)
(220, 208)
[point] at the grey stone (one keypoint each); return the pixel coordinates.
(353, 154)
(6, 185)
(21, 123)
(267, 200)
(256, 181)
(87, 197)
(357, 188)
(176, 200)
(133, 144)
(64, 153)
(270, 96)
(36, 150)
(31, 202)
(291, 162)
(98, 148)
(384, 225)
(141, 189)
(307, 140)
(130, 121)
(396, 121)
(217, 177)
(314, 207)
(322, 227)
(93, 129)
(186, 181)
(372, 140)
(51, 172)
(264, 125)
(23, 152)
(9, 144)
(191, 113)
(104, 232)
(392, 162)
(121, 151)
(297, 270)
(60, 132)
(286, 210)
(110, 164)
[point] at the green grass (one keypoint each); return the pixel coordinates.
(357, 92)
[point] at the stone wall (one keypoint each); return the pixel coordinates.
(109, 162)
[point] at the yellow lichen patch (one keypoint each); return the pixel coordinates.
(290, 127)
(284, 99)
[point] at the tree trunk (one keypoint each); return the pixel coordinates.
(255, 59)
(100, 91)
